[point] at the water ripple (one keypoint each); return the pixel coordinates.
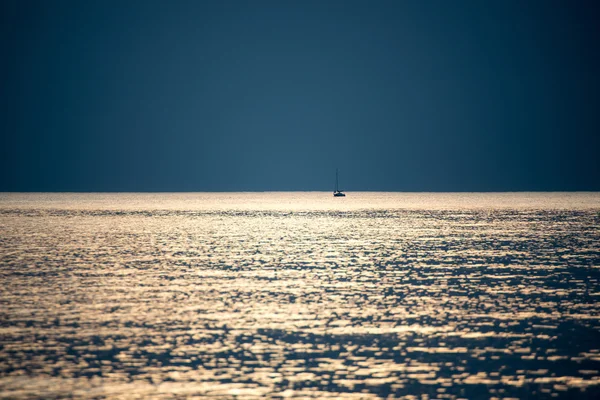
(308, 302)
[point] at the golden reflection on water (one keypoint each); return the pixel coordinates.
(300, 295)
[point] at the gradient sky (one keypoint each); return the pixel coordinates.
(274, 95)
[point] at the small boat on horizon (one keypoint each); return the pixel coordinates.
(337, 192)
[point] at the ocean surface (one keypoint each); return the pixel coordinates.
(248, 295)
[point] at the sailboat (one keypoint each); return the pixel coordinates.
(337, 192)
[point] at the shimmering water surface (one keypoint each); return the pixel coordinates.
(300, 295)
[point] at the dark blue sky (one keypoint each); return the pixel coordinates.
(254, 95)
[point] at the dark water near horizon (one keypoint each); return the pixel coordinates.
(247, 295)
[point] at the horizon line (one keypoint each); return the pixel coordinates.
(297, 191)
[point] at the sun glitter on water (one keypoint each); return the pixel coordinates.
(299, 295)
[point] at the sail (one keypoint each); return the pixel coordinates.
(337, 192)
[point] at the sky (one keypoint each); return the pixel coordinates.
(275, 95)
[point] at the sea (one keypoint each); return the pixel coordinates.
(299, 295)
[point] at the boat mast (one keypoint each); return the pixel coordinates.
(336, 180)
